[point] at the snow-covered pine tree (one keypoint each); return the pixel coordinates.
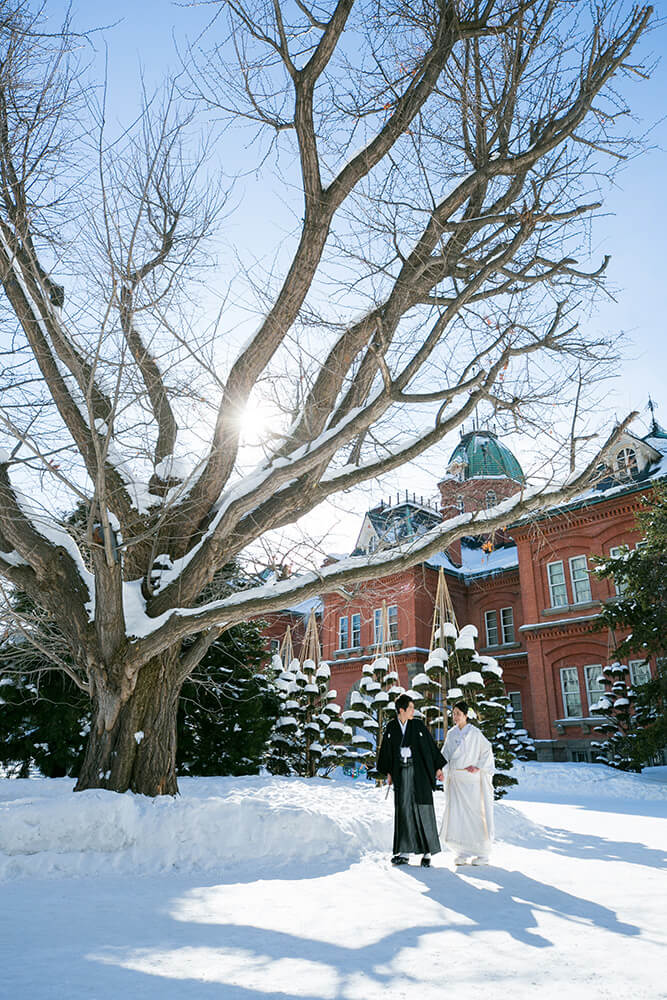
(309, 735)
(478, 681)
(617, 720)
(371, 707)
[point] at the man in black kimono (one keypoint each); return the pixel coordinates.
(412, 762)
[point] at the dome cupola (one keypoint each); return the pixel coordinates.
(481, 472)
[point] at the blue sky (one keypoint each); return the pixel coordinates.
(632, 229)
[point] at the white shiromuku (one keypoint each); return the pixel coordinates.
(467, 825)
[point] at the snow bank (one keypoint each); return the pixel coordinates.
(216, 823)
(219, 824)
(573, 782)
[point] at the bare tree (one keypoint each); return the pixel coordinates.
(443, 155)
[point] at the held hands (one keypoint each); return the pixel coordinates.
(472, 769)
(439, 775)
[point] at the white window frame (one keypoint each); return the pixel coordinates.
(460, 505)
(627, 462)
(493, 630)
(274, 646)
(578, 581)
(553, 585)
(594, 691)
(507, 628)
(392, 620)
(614, 552)
(355, 630)
(573, 693)
(517, 715)
(343, 640)
(491, 499)
(377, 626)
(633, 668)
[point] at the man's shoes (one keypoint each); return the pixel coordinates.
(399, 859)
(426, 861)
(461, 860)
(480, 861)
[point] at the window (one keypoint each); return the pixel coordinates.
(491, 499)
(392, 613)
(491, 619)
(343, 634)
(580, 757)
(507, 624)
(581, 581)
(392, 618)
(517, 708)
(626, 460)
(377, 626)
(569, 682)
(274, 646)
(372, 543)
(356, 630)
(557, 588)
(619, 586)
(460, 505)
(594, 687)
(640, 672)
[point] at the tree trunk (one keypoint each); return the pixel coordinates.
(138, 752)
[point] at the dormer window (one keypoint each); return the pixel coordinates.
(626, 462)
(491, 499)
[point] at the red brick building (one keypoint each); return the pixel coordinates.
(530, 592)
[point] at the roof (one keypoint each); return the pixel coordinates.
(397, 523)
(613, 485)
(483, 455)
(475, 562)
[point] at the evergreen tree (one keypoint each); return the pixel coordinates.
(477, 680)
(371, 707)
(44, 716)
(634, 721)
(309, 736)
(228, 707)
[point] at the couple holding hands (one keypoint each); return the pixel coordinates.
(412, 762)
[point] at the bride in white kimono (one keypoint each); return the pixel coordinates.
(467, 825)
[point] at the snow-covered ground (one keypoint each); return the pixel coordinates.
(271, 887)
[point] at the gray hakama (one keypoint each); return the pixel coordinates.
(415, 828)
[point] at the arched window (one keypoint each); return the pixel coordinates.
(460, 505)
(491, 499)
(627, 462)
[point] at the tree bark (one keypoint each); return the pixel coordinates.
(137, 752)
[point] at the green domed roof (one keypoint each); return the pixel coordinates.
(482, 454)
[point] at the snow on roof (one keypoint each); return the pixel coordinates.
(476, 562)
(611, 485)
(305, 607)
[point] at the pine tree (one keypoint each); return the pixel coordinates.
(634, 721)
(478, 681)
(44, 716)
(228, 707)
(309, 736)
(371, 708)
